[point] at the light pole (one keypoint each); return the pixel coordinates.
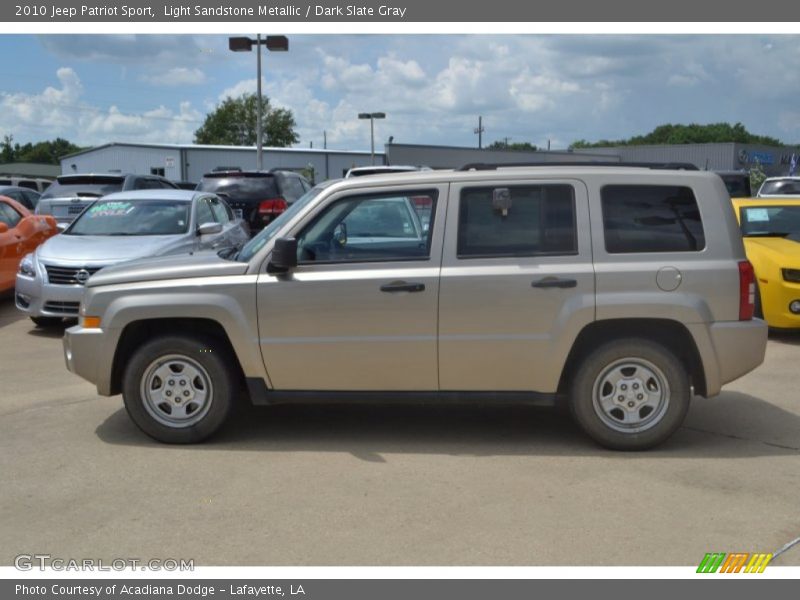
(372, 117)
(274, 43)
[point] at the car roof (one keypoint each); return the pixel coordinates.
(16, 188)
(433, 177)
(165, 194)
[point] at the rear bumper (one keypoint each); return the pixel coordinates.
(729, 350)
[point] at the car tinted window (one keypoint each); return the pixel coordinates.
(83, 186)
(32, 197)
(130, 217)
(27, 183)
(365, 229)
(9, 216)
(292, 188)
(540, 219)
(651, 218)
(241, 187)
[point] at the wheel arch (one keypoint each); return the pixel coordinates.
(138, 332)
(672, 334)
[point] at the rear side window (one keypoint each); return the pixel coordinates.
(241, 187)
(651, 218)
(538, 219)
(89, 185)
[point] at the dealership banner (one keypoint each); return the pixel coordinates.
(149, 11)
(392, 589)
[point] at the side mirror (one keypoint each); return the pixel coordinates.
(209, 229)
(284, 256)
(3, 227)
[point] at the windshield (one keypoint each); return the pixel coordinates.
(133, 217)
(777, 221)
(786, 187)
(83, 186)
(240, 187)
(266, 234)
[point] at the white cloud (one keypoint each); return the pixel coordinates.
(62, 111)
(175, 77)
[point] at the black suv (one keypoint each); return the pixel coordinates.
(257, 196)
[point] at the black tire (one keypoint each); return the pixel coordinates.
(47, 322)
(222, 381)
(651, 365)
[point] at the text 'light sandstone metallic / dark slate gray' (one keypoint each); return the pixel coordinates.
(393, 11)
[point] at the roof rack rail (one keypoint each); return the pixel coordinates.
(582, 163)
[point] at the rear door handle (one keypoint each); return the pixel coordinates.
(403, 286)
(554, 282)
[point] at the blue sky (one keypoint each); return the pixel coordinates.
(93, 89)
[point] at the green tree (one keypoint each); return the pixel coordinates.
(688, 134)
(47, 152)
(503, 145)
(234, 122)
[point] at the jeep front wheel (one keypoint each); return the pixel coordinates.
(179, 389)
(630, 394)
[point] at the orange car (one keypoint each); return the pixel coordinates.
(20, 233)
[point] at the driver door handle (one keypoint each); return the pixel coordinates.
(554, 282)
(403, 286)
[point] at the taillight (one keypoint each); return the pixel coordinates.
(273, 206)
(747, 291)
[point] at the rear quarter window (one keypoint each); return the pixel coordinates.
(651, 218)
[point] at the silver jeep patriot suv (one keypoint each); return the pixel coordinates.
(622, 290)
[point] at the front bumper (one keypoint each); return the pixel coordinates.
(37, 298)
(84, 356)
(775, 299)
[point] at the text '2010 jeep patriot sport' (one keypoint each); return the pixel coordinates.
(623, 290)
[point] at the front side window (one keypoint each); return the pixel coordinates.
(219, 211)
(9, 216)
(204, 212)
(651, 218)
(529, 220)
(367, 228)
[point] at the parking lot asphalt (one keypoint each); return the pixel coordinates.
(386, 485)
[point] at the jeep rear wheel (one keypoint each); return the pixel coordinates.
(179, 389)
(630, 394)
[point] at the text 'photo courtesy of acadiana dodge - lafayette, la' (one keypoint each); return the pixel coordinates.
(479, 300)
(154, 589)
(177, 11)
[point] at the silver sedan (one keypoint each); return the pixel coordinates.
(117, 228)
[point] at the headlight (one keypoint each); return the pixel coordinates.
(792, 275)
(27, 266)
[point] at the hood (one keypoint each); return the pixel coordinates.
(89, 250)
(183, 266)
(783, 251)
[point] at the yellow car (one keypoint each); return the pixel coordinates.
(771, 232)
